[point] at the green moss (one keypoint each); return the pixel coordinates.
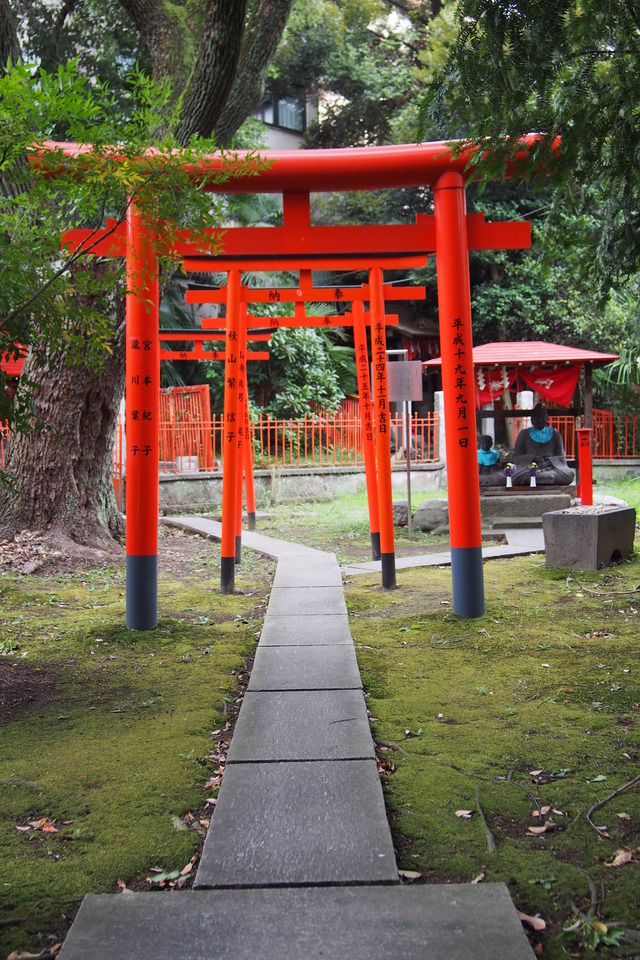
(115, 744)
(548, 680)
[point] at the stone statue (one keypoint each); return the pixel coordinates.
(489, 465)
(542, 445)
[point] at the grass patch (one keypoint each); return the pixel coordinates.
(535, 705)
(107, 733)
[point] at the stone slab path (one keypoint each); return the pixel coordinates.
(298, 861)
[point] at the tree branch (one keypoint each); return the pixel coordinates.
(616, 793)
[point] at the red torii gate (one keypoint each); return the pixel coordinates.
(450, 234)
(379, 492)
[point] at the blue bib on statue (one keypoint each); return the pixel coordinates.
(487, 458)
(541, 436)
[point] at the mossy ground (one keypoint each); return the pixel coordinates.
(113, 749)
(114, 745)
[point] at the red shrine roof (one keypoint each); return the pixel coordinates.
(531, 352)
(11, 366)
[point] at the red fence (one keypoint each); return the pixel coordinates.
(314, 441)
(615, 436)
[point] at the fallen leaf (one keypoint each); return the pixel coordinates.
(186, 870)
(536, 923)
(536, 831)
(122, 886)
(543, 812)
(623, 816)
(23, 829)
(49, 828)
(535, 773)
(178, 824)
(464, 814)
(621, 858)
(478, 879)
(598, 779)
(409, 874)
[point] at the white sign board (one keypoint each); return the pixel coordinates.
(404, 380)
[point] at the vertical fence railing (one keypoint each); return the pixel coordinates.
(313, 441)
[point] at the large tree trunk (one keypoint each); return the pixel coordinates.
(63, 471)
(63, 474)
(259, 43)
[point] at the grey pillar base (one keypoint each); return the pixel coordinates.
(375, 546)
(251, 521)
(388, 565)
(238, 557)
(468, 581)
(227, 574)
(142, 592)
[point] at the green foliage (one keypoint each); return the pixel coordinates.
(53, 298)
(307, 368)
(568, 69)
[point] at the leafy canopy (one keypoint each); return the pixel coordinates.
(46, 296)
(567, 68)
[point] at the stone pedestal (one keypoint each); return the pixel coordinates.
(588, 538)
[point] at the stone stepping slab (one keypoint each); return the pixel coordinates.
(306, 601)
(319, 571)
(307, 725)
(313, 630)
(453, 922)
(304, 823)
(305, 668)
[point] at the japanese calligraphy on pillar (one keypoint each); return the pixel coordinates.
(364, 389)
(379, 361)
(463, 376)
(142, 387)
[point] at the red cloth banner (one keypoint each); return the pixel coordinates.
(556, 383)
(491, 384)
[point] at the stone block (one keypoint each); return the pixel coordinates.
(438, 922)
(316, 630)
(283, 725)
(400, 513)
(432, 516)
(525, 504)
(281, 824)
(588, 538)
(306, 601)
(305, 668)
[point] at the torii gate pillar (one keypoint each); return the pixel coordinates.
(454, 304)
(142, 393)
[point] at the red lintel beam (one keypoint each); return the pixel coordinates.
(277, 263)
(335, 294)
(303, 171)
(339, 320)
(297, 242)
(213, 334)
(198, 353)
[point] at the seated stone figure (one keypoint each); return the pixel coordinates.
(489, 464)
(542, 445)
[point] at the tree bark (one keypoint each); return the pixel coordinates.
(261, 38)
(9, 46)
(63, 472)
(212, 77)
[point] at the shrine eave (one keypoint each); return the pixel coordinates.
(531, 353)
